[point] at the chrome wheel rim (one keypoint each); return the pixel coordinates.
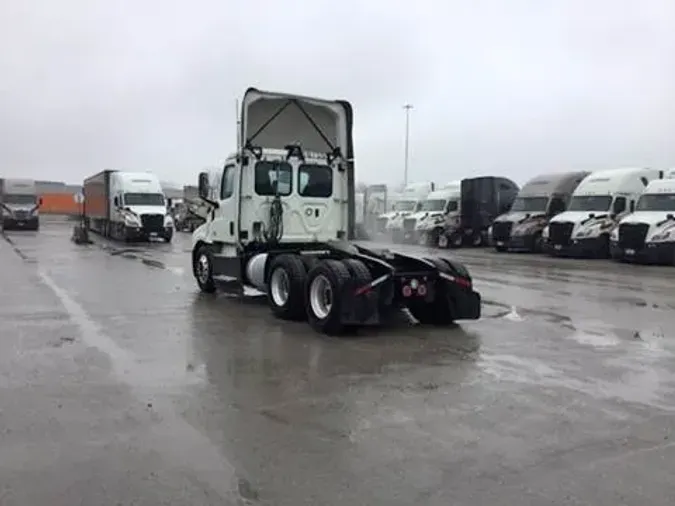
(279, 286)
(321, 296)
(203, 269)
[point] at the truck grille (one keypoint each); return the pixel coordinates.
(501, 230)
(632, 235)
(21, 215)
(409, 224)
(560, 233)
(153, 222)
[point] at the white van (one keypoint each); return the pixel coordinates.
(648, 234)
(597, 205)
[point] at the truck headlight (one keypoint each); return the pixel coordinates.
(131, 220)
(663, 237)
(168, 221)
(544, 233)
(614, 235)
(6, 212)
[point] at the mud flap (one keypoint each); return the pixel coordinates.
(466, 304)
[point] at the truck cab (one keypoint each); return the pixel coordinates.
(20, 204)
(426, 225)
(283, 213)
(539, 200)
(138, 206)
(598, 204)
(648, 233)
(408, 205)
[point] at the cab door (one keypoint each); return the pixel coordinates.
(223, 227)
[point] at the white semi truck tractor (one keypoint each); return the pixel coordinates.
(598, 204)
(283, 213)
(648, 234)
(127, 206)
(20, 204)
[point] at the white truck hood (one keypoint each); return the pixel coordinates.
(20, 207)
(658, 222)
(519, 216)
(140, 210)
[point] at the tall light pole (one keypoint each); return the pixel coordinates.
(407, 108)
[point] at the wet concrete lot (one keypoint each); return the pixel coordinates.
(120, 384)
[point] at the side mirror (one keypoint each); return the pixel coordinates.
(203, 185)
(40, 201)
(116, 201)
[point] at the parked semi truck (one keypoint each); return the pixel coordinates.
(20, 204)
(598, 204)
(282, 217)
(409, 203)
(461, 212)
(648, 234)
(127, 206)
(537, 202)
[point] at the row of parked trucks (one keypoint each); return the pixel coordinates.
(626, 213)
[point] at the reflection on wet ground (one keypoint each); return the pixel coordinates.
(562, 394)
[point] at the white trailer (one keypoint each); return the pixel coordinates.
(648, 234)
(20, 204)
(597, 206)
(282, 215)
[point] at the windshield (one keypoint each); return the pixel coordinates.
(405, 205)
(530, 204)
(18, 199)
(656, 202)
(143, 199)
(433, 205)
(590, 203)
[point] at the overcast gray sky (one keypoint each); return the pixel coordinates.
(499, 87)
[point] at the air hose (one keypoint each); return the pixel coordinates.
(275, 227)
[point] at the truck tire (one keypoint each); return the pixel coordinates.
(168, 237)
(325, 289)
(500, 249)
(366, 304)
(202, 268)
(286, 287)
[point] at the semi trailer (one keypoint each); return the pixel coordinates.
(20, 204)
(126, 206)
(598, 204)
(282, 221)
(539, 200)
(648, 234)
(460, 213)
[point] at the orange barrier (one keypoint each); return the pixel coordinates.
(59, 203)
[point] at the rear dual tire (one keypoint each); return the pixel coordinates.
(300, 288)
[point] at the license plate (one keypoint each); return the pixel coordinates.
(153, 234)
(500, 243)
(557, 246)
(630, 252)
(21, 223)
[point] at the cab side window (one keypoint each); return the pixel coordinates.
(227, 185)
(619, 205)
(556, 206)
